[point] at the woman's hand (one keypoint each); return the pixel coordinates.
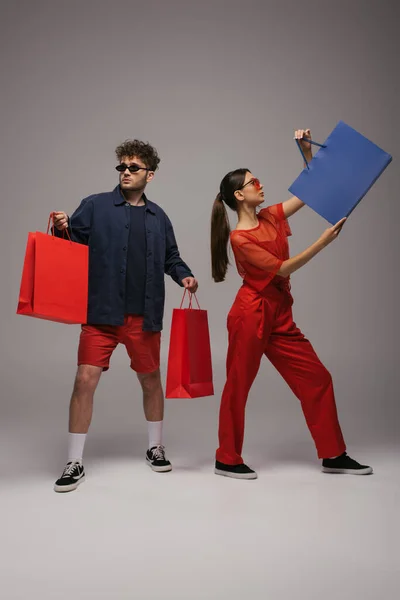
(303, 135)
(331, 233)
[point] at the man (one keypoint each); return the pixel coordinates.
(131, 245)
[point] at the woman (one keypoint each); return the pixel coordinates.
(261, 322)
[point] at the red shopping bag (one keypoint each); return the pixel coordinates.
(54, 283)
(189, 372)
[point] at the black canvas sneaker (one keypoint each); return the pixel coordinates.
(155, 458)
(345, 465)
(235, 471)
(73, 475)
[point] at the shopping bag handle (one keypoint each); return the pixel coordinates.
(190, 299)
(52, 233)
(301, 149)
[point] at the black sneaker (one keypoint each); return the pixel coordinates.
(155, 458)
(236, 471)
(73, 475)
(344, 464)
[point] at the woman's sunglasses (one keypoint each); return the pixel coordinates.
(256, 182)
(133, 168)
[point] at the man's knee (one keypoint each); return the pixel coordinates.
(150, 381)
(87, 378)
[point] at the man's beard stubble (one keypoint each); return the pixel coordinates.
(133, 188)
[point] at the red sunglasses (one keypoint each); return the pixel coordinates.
(256, 182)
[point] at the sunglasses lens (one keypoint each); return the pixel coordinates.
(257, 184)
(132, 168)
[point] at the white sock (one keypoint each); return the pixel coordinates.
(76, 444)
(155, 433)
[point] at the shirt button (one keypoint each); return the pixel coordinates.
(127, 226)
(124, 248)
(122, 271)
(149, 254)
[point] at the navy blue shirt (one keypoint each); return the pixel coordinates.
(136, 263)
(102, 221)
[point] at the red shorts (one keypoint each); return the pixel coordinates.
(98, 342)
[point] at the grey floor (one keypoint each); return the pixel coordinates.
(129, 533)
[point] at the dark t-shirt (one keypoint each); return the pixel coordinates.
(136, 262)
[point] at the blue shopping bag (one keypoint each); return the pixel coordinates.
(340, 174)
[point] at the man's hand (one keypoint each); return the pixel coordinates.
(60, 220)
(190, 284)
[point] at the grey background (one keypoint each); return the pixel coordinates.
(214, 86)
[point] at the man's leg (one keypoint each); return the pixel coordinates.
(80, 416)
(143, 348)
(153, 405)
(81, 405)
(95, 348)
(153, 396)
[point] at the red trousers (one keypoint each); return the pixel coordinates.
(263, 324)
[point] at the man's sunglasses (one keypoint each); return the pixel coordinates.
(256, 182)
(133, 168)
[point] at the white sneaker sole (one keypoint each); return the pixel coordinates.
(366, 471)
(235, 475)
(158, 469)
(68, 488)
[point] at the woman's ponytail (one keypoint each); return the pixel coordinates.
(220, 230)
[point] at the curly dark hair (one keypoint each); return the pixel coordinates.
(142, 150)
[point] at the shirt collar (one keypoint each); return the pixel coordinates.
(119, 199)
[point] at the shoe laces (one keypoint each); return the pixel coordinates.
(70, 468)
(159, 453)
